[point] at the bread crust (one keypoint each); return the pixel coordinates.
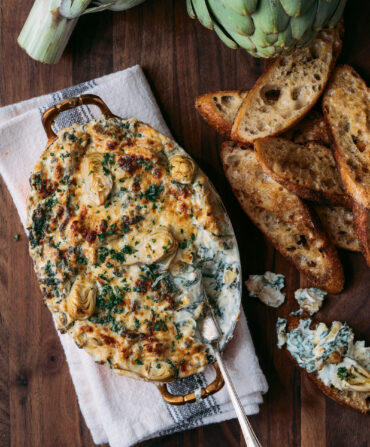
(348, 166)
(328, 277)
(362, 224)
(207, 104)
(236, 135)
(340, 397)
(302, 157)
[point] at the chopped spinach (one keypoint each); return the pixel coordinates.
(343, 373)
(153, 192)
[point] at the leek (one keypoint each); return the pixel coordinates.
(50, 23)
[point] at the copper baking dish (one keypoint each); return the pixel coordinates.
(48, 118)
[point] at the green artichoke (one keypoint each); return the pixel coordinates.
(266, 28)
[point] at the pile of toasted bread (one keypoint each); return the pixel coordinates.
(301, 175)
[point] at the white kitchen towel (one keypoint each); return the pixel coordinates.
(119, 410)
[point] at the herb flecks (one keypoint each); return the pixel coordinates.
(152, 193)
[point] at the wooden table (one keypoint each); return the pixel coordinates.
(181, 59)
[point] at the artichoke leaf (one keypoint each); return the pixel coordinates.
(230, 19)
(260, 39)
(238, 6)
(190, 10)
(325, 11)
(243, 41)
(270, 17)
(201, 10)
(250, 6)
(225, 38)
(296, 8)
(300, 25)
(285, 39)
(243, 7)
(338, 14)
(267, 52)
(309, 35)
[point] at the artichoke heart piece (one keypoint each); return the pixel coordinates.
(98, 180)
(160, 371)
(354, 378)
(81, 300)
(182, 169)
(159, 245)
(154, 247)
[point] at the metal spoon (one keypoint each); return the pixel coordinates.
(211, 333)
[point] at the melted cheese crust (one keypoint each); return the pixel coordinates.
(126, 234)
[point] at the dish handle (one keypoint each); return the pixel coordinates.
(212, 388)
(51, 114)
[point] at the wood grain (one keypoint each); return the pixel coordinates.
(181, 60)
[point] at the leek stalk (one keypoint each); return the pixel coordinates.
(50, 23)
(46, 32)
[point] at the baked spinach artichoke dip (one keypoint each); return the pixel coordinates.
(130, 244)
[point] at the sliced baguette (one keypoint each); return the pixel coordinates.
(352, 399)
(338, 224)
(346, 105)
(219, 109)
(287, 90)
(362, 224)
(311, 128)
(282, 216)
(307, 170)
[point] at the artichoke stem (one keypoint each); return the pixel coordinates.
(45, 34)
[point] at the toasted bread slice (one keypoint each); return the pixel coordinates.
(352, 399)
(338, 224)
(282, 216)
(346, 106)
(361, 217)
(219, 109)
(308, 170)
(287, 90)
(311, 128)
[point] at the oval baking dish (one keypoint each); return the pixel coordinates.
(127, 234)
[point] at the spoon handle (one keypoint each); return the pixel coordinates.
(249, 435)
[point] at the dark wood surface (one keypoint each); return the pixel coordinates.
(181, 59)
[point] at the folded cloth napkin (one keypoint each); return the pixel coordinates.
(119, 410)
